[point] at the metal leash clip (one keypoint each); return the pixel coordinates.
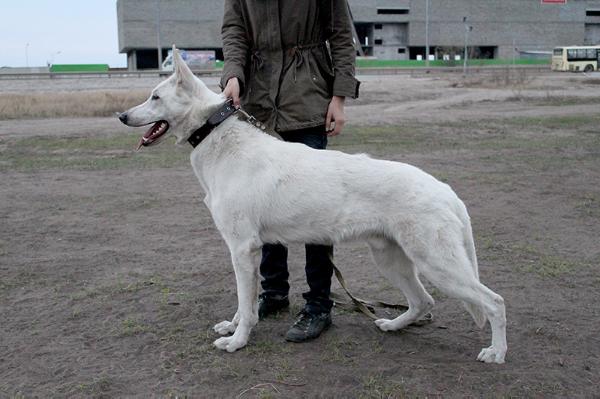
(252, 120)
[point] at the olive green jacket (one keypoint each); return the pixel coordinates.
(290, 56)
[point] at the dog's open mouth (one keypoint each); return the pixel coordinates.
(154, 134)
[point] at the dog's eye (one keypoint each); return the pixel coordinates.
(155, 97)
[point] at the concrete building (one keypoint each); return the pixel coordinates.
(189, 24)
(386, 29)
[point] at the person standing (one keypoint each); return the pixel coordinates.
(290, 64)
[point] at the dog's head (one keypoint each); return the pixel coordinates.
(177, 106)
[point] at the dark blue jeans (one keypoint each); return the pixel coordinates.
(319, 258)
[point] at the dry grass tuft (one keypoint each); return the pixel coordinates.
(68, 104)
(590, 81)
(499, 78)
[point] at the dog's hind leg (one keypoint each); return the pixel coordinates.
(245, 264)
(400, 271)
(446, 264)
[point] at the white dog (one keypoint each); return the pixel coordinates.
(262, 190)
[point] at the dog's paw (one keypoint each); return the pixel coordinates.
(225, 328)
(385, 325)
(492, 355)
(229, 344)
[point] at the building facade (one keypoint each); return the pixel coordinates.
(386, 29)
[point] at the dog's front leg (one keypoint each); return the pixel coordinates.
(227, 327)
(246, 275)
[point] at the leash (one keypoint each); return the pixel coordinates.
(367, 307)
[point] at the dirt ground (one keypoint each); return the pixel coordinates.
(112, 273)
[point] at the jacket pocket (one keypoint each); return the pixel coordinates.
(320, 72)
(256, 92)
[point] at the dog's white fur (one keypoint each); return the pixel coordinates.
(262, 190)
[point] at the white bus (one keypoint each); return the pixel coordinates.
(576, 58)
(195, 59)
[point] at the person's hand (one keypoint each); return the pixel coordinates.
(335, 114)
(232, 90)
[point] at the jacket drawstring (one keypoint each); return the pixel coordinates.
(298, 59)
(297, 53)
(257, 60)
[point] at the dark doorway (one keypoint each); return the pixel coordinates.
(147, 59)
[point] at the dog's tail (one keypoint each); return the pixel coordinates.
(475, 311)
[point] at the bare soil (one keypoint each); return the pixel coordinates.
(112, 273)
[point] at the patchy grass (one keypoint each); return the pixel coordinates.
(76, 314)
(98, 387)
(382, 139)
(522, 133)
(261, 391)
(177, 394)
(569, 122)
(268, 346)
(545, 265)
(283, 370)
(21, 279)
(119, 288)
(525, 134)
(340, 350)
(552, 101)
(376, 386)
(509, 126)
(590, 81)
(528, 258)
(130, 327)
(588, 205)
(565, 100)
(499, 78)
(87, 153)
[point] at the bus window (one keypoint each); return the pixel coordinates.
(558, 51)
(571, 55)
(591, 54)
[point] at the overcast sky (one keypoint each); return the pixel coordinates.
(59, 31)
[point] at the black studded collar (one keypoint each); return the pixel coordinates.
(224, 112)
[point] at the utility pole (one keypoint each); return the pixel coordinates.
(468, 29)
(50, 60)
(514, 52)
(427, 33)
(158, 44)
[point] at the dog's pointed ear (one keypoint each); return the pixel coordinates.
(182, 71)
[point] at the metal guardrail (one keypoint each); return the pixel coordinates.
(217, 72)
(452, 70)
(108, 75)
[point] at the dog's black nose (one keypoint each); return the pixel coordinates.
(123, 117)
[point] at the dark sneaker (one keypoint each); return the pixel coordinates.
(308, 326)
(269, 305)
